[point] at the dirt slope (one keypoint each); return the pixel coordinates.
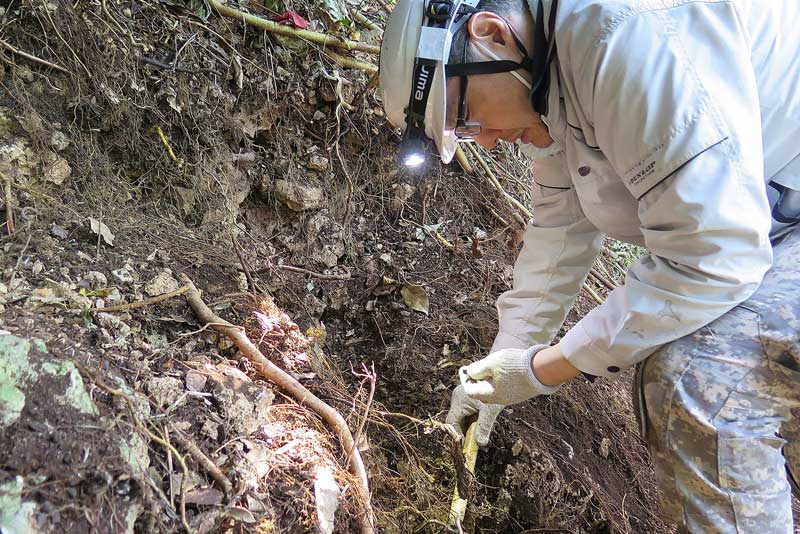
(172, 140)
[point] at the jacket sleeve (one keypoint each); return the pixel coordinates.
(558, 250)
(673, 100)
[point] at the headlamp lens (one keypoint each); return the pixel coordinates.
(414, 159)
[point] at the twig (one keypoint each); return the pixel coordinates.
(313, 274)
(611, 286)
(9, 200)
(592, 293)
(367, 374)
(493, 180)
(143, 303)
(178, 161)
(364, 21)
(35, 59)
(288, 31)
(205, 462)
(351, 63)
(302, 395)
(144, 430)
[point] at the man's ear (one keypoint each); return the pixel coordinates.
(490, 29)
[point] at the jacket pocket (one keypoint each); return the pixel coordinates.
(779, 331)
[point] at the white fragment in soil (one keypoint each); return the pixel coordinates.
(386, 258)
(605, 447)
(162, 283)
(478, 233)
(123, 275)
(326, 492)
(517, 448)
(196, 381)
(59, 141)
(37, 268)
(59, 231)
(96, 280)
(241, 282)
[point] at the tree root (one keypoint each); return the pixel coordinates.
(288, 31)
(142, 303)
(302, 395)
(205, 462)
(33, 58)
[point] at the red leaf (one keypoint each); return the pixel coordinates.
(290, 18)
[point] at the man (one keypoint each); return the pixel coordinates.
(670, 124)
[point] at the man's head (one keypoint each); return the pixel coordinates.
(500, 102)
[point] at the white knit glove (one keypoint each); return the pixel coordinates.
(504, 377)
(462, 408)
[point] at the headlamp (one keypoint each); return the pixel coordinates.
(412, 152)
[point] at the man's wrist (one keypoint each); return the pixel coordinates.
(551, 367)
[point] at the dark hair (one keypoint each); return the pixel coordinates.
(504, 8)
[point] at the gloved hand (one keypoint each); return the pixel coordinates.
(504, 377)
(462, 407)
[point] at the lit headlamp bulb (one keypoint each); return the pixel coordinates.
(412, 152)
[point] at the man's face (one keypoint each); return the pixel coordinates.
(499, 102)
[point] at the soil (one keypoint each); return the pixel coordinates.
(267, 173)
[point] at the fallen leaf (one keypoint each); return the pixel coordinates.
(415, 297)
(102, 230)
(290, 18)
(240, 514)
(206, 496)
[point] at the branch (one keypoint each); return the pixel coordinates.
(302, 395)
(288, 31)
(494, 181)
(351, 63)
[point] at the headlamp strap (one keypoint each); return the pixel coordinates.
(424, 70)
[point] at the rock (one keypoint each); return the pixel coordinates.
(59, 231)
(326, 493)
(113, 323)
(298, 197)
(325, 239)
(317, 162)
(243, 405)
(605, 447)
(165, 390)
(16, 516)
(123, 275)
(59, 141)
(196, 381)
(24, 363)
(162, 283)
(241, 282)
(56, 169)
(95, 280)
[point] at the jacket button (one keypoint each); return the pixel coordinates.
(613, 369)
(583, 171)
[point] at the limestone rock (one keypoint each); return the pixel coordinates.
(298, 197)
(162, 283)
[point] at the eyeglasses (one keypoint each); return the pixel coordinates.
(465, 129)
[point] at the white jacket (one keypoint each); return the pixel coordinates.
(673, 115)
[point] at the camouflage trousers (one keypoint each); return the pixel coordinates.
(712, 406)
